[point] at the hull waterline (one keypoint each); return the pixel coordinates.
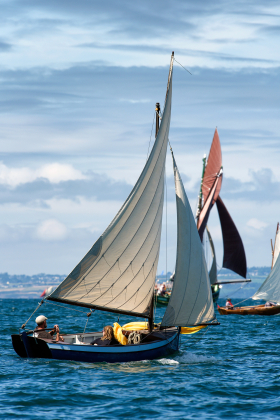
(32, 347)
(250, 310)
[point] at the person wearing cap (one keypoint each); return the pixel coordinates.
(41, 332)
(162, 289)
(229, 305)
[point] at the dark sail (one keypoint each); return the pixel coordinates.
(234, 253)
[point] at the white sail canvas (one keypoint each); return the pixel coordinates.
(118, 273)
(270, 289)
(276, 248)
(213, 269)
(191, 299)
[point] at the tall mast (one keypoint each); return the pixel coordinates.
(199, 205)
(157, 118)
(151, 316)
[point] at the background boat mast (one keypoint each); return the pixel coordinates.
(199, 205)
(157, 118)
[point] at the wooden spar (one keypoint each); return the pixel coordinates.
(199, 206)
(157, 118)
(99, 308)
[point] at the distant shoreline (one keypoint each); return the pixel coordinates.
(31, 287)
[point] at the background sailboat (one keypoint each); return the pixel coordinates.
(118, 273)
(269, 290)
(211, 182)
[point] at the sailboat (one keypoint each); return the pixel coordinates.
(117, 274)
(269, 290)
(210, 187)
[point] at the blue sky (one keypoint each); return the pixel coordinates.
(79, 81)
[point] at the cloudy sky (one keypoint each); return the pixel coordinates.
(79, 81)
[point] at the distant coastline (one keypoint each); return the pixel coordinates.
(31, 287)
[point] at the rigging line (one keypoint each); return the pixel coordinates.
(40, 303)
(241, 287)
(151, 135)
(63, 306)
(161, 149)
(88, 315)
(243, 301)
(182, 66)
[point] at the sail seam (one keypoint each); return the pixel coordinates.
(152, 172)
(155, 241)
(156, 214)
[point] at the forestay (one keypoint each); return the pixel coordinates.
(118, 273)
(191, 301)
(270, 289)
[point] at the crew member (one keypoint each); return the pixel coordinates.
(41, 332)
(108, 338)
(229, 305)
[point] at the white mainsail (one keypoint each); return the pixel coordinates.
(270, 289)
(118, 273)
(191, 299)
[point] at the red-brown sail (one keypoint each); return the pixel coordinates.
(213, 167)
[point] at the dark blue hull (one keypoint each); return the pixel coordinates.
(36, 348)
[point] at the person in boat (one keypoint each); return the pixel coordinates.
(108, 338)
(229, 305)
(41, 322)
(162, 290)
(269, 304)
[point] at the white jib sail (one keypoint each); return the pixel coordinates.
(191, 300)
(118, 273)
(213, 269)
(276, 248)
(270, 289)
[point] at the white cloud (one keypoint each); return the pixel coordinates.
(51, 230)
(54, 172)
(257, 224)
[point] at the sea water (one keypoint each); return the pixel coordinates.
(230, 371)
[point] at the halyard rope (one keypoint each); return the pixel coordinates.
(24, 325)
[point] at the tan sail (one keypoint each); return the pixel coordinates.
(118, 273)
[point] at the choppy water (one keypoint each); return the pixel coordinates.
(231, 371)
